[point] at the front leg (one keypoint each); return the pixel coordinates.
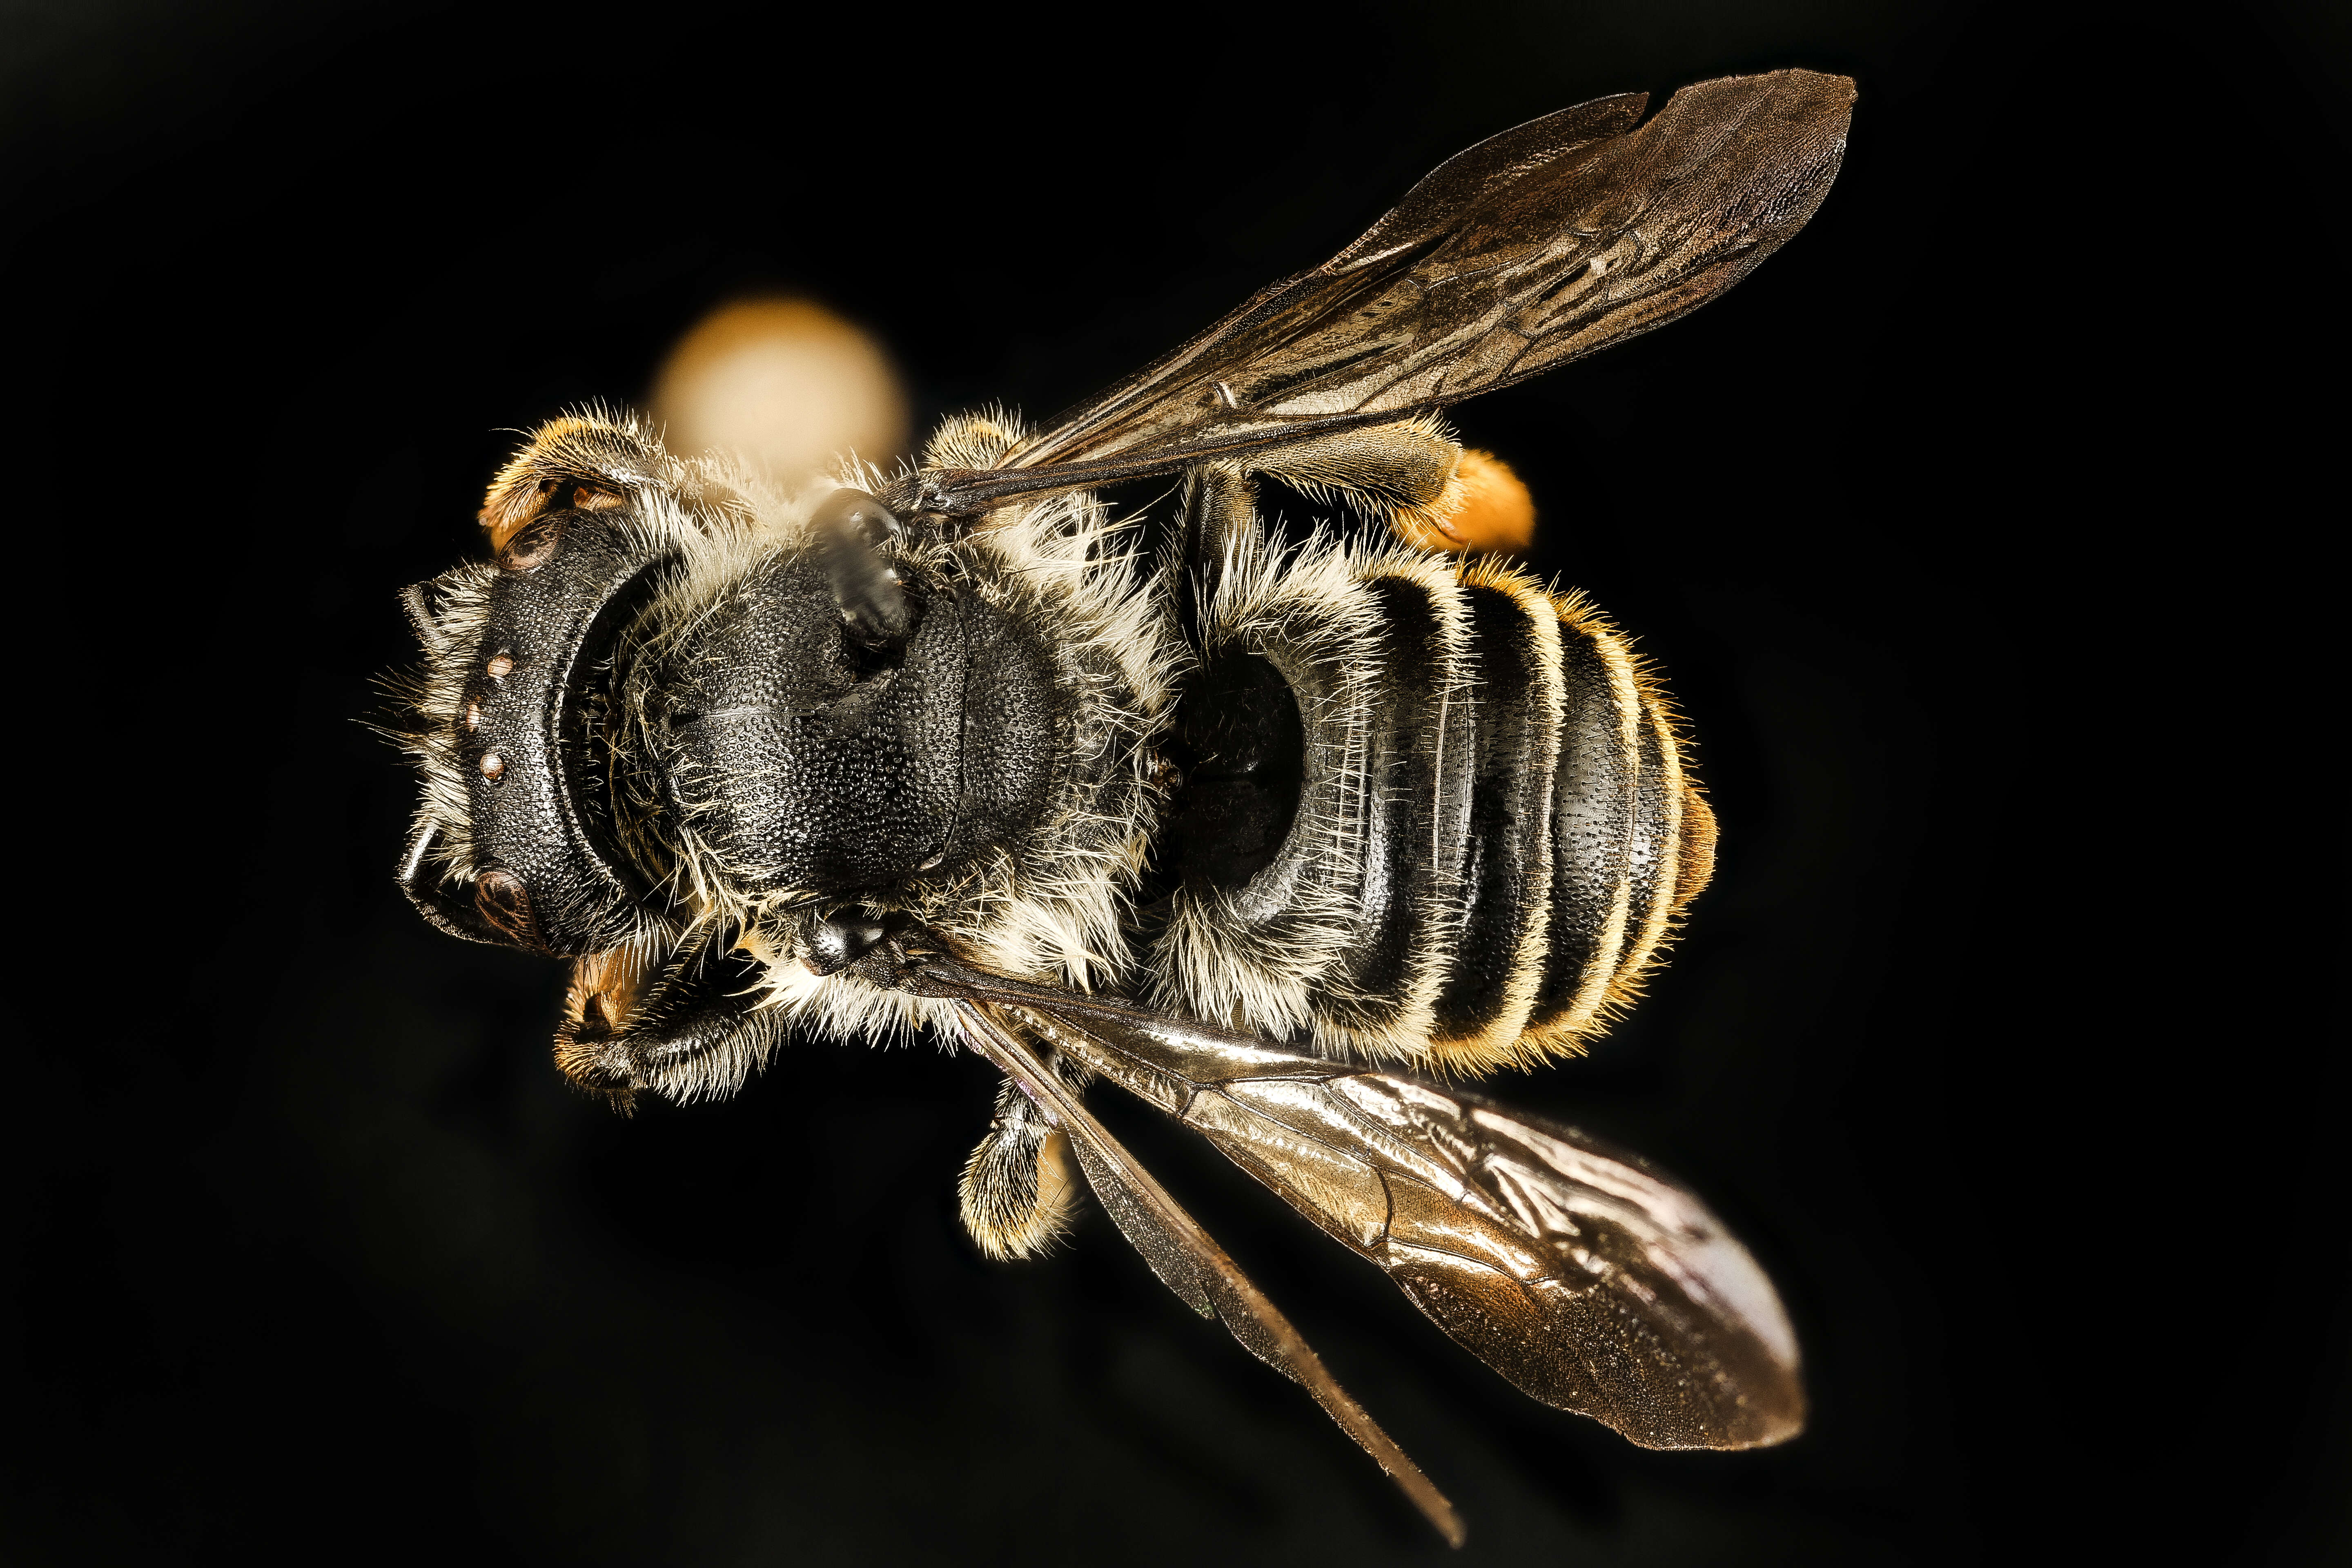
(686, 1024)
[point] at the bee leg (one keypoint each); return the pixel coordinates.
(1219, 503)
(1020, 1188)
(1405, 474)
(685, 1022)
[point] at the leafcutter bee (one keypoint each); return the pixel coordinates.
(1255, 830)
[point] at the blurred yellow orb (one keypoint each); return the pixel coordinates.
(1496, 512)
(786, 385)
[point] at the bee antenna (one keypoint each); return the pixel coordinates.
(420, 618)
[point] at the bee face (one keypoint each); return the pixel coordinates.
(521, 643)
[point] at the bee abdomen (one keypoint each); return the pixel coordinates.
(1493, 832)
(1532, 830)
(1587, 837)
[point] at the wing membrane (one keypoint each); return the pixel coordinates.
(1192, 1265)
(1591, 1281)
(1533, 249)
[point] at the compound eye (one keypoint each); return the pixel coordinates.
(509, 512)
(532, 547)
(504, 902)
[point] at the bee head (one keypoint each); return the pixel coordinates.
(518, 840)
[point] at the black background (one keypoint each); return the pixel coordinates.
(1982, 533)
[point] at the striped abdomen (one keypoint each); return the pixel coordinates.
(1494, 830)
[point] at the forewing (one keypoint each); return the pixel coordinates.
(1535, 248)
(1589, 1280)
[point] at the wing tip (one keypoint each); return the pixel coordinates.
(1777, 1421)
(1760, 1425)
(1824, 89)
